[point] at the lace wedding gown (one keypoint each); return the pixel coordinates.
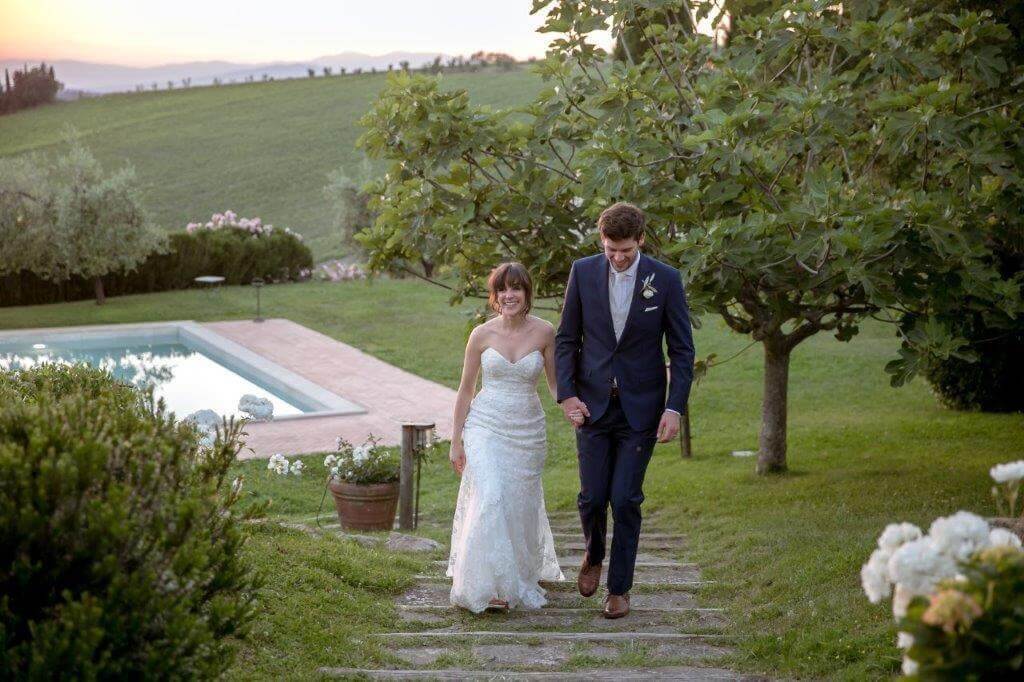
(501, 539)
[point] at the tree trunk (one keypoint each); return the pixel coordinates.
(97, 283)
(428, 267)
(771, 457)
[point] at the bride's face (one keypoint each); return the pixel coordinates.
(512, 301)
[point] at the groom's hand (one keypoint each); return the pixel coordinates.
(669, 427)
(571, 405)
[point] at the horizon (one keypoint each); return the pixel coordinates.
(134, 35)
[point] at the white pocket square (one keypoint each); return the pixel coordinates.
(653, 307)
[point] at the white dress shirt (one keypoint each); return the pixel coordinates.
(620, 297)
(620, 293)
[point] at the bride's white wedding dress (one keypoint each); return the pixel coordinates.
(501, 539)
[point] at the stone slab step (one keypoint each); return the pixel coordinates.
(572, 563)
(632, 637)
(658, 580)
(538, 652)
(435, 595)
(646, 619)
(681, 673)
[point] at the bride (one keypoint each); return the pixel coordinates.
(501, 540)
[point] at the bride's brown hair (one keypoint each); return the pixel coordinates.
(509, 276)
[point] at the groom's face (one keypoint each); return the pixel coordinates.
(621, 253)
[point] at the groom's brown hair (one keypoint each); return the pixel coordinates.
(622, 221)
(509, 276)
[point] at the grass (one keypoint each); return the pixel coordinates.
(260, 149)
(785, 550)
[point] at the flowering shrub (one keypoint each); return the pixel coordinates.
(229, 219)
(972, 626)
(336, 271)
(1008, 478)
(365, 464)
(914, 568)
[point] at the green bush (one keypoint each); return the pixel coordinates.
(972, 628)
(121, 538)
(992, 383)
(233, 254)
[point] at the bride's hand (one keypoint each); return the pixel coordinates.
(457, 456)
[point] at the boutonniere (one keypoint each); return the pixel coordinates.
(648, 286)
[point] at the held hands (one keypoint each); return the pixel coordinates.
(669, 427)
(575, 411)
(457, 457)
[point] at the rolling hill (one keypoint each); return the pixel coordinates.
(259, 149)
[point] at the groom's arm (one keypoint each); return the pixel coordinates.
(679, 338)
(568, 338)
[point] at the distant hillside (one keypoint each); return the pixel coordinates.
(259, 149)
(93, 77)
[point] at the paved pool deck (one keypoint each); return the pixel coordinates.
(389, 395)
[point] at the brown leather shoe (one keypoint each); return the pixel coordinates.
(589, 578)
(616, 606)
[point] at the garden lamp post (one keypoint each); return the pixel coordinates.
(258, 283)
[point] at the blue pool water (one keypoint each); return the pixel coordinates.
(185, 378)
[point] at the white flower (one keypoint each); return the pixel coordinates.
(1006, 473)
(278, 464)
(909, 666)
(236, 485)
(297, 467)
(1001, 536)
(334, 471)
(330, 461)
(361, 453)
(919, 565)
(904, 640)
(959, 535)
(338, 442)
(874, 576)
(896, 534)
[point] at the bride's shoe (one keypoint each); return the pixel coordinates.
(498, 606)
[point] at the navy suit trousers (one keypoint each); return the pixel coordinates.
(613, 458)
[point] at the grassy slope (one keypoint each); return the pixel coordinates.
(786, 551)
(260, 149)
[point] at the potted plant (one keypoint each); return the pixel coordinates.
(364, 483)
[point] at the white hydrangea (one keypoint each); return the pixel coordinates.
(1001, 536)
(896, 534)
(330, 461)
(1008, 472)
(919, 565)
(959, 535)
(874, 576)
(297, 467)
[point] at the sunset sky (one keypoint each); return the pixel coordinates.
(147, 32)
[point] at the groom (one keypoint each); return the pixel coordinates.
(619, 305)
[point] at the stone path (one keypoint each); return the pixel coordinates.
(667, 636)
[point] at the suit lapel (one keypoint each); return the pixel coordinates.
(605, 298)
(642, 270)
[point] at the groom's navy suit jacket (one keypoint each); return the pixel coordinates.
(587, 356)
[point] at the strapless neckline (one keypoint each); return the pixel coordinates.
(506, 359)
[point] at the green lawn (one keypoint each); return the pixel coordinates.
(785, 551)
(260, 149)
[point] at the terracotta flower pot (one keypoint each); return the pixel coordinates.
(365, 506)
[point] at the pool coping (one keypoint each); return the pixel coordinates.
(222, 350)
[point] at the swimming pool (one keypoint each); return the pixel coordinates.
(190, 367)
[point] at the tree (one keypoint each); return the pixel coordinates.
(69, 218)
(311, 72)
(818, 169)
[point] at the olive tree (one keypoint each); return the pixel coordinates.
(822, 167)
(69, 219)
